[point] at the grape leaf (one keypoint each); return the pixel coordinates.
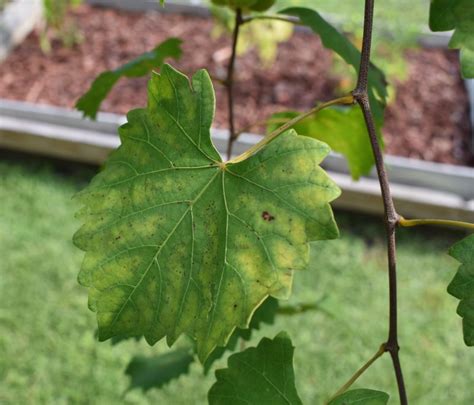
(344, 130)
(265, 313)
(258, 375)
(142, 65)
(333, 39)
(462, 285)
(179, 242)
(156, 371)
(457, 15)
(361, 397)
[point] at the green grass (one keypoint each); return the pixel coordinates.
(48, 354)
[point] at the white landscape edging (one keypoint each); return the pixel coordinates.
(17, 20)
(420, 189)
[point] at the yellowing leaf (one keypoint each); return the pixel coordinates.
(179, 242)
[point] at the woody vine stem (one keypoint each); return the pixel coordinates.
(229, 82)
(391, 217)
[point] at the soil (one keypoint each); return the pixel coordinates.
(428, 119)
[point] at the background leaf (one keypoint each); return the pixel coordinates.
(142, 65)
(261, 375)
(457, 15)
(156, 371)
(361, 397)
(344, 130)
(177, 241)
(462, 286)
(333, 39)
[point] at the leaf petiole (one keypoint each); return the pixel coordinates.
(406, 223)
(346, 100)
(358, 373)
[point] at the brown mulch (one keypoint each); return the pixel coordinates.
(427, 120)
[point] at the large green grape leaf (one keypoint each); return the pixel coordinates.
(179, 242)
(334, 40)
(457, 15)
(462, 285)
(142, 65)
(344, 130)
(261, 375)
(361, 396)
(156, 371)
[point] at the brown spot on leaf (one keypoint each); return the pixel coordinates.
(267, 216)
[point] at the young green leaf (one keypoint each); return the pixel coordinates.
(258, 375)
(462, 285)
(179, 242)
(156, 371)
(333, 39)
(361, 397)
(142, 65)
(457, 15)
(344, 130)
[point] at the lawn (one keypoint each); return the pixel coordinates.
(48, 353)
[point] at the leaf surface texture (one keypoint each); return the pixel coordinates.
(261, 375)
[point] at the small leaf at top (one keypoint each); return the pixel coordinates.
(457, 15)
(142, 65)
(462, 285)
(361, 397)
(258, 375)
(179, 242)
(156, 371)
(344, 130)
(334, 40)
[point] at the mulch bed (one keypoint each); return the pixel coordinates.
(427, 120)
